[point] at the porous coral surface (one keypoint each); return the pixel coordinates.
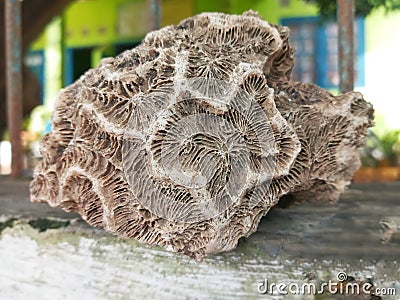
(187, 140)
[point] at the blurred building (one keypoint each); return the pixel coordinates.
(91, 29)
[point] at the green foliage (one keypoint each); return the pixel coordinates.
(327, 8)
(5, 136)
(382, 150)
(391, 146)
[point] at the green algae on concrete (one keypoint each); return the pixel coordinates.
(6, 223)
(299, 244)
(77, 261)
(42, 224)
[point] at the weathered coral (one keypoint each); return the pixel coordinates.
(189, 139)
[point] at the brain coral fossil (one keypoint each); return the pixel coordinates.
(187, 140)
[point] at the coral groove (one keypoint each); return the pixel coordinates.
(187, 140)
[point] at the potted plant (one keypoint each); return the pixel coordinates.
(380, 158)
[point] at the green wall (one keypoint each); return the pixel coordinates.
(212, 6)
(101, 22)
(174, 11)
(273, 11)
(382, 67)
(270, 10)
(91, 23)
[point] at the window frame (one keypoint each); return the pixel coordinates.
(321, 51)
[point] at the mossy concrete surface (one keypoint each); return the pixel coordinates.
(48, 254)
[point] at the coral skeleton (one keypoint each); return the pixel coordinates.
(189, 139)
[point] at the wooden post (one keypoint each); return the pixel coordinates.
(154, 14)
(345, 14)
(14, 83)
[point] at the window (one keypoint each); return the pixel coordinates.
(316, 45)
(34, 60)
(80, 60)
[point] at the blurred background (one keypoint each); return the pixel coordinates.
(62, 39)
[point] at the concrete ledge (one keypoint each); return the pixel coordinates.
(49, 254)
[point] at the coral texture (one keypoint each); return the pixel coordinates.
(187, 140)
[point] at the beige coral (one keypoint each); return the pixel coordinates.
(189, 139)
